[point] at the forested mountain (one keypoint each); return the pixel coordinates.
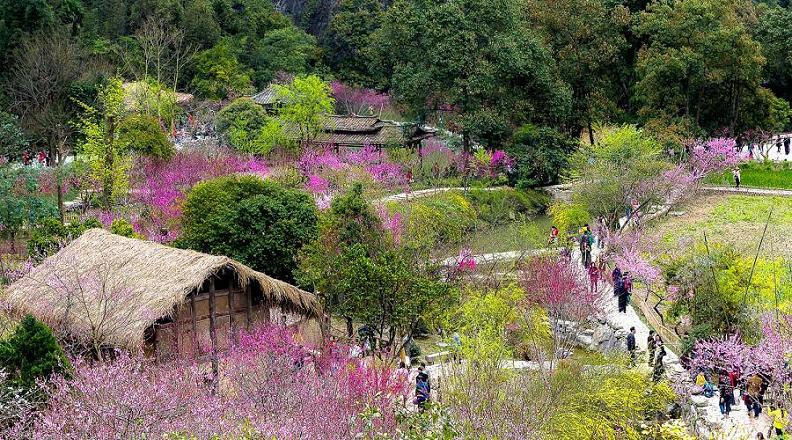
(681, 68)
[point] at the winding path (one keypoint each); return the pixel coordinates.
(411, 195)
(737, 426)
(748, 191)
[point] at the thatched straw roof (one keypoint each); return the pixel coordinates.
(124, 285)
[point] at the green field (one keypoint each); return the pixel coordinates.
(737, 220)
(519, 235)
(758, 175)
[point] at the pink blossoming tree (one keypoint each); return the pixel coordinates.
(270, 387)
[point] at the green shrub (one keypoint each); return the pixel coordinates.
(219, 74)
(241, 123)
(540, 154)
(124, 228)
(32, 353)
(144, 135)
(21, 202)
(569, 217)
(259, 223)
(438, 220)
(505, 205)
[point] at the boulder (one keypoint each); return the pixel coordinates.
(700, 401)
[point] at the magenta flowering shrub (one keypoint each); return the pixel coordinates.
(129, 397)
(329, 172)
(714, 155)
(554, 285)
(771, 356)
(500, 162)
(358, 101)
(269, 385)
(437, 160)
(626, 249)
(160, 186)
(392, 223)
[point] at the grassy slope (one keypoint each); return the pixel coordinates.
(734, 219)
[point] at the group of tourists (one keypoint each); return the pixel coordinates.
(622, 287)
(751, 389)
(785, 143)
(40, 159)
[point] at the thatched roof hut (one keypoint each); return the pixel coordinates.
(132, 288)
(358, 131)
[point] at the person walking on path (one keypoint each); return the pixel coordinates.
(659, 368)
(594, 276)
(736, 174)
(423, 390)
(650, 347)
(553, 236)
(621, 294)
(616, 275)
(585, 248)
(631, 346)
(754, 390)
(786, 146)
(726, 393)
(628, 283)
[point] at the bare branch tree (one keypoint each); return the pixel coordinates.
(165, 52)
(46, 67)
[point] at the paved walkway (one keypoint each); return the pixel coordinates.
(737, 426)
(749, 191)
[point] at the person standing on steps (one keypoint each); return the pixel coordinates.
(736, 175)
(659, 368)
(594, 276)
(650, 347)
(726, 392)
(631, 346)
(585, 248)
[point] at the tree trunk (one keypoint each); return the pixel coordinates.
(590, 129)
(107, 178)
(466, 150)
(59, 180)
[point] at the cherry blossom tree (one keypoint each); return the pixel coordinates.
(554, 285)
(359, 101)
(271, 386)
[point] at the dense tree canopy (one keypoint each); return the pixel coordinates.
(476, 59)
(701, 67)
(481, 68)
(261, 224)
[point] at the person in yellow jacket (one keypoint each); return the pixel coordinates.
(780, 419)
